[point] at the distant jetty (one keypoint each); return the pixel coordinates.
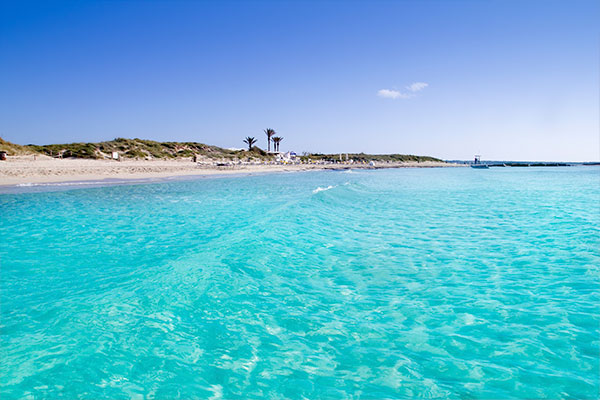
(521, 164)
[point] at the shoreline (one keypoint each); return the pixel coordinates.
(24, 171)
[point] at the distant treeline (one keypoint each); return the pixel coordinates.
(362, 157)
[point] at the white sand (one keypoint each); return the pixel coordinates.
(24, 169)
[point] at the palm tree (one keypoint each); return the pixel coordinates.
(276, 141)
(250, 141)
(269, 132)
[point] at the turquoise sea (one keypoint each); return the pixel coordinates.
(387, 284)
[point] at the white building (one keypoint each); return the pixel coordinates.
(287, 158)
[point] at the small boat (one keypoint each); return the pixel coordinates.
(477, 163)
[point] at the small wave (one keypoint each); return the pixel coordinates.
(322, 189)
(60, 184)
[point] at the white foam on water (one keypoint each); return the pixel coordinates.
(61, 184)
(217, 391)
(322, 189)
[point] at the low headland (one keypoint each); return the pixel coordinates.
(141, 159)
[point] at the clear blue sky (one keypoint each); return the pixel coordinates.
(507, 79)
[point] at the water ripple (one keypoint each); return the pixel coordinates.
(401, 283)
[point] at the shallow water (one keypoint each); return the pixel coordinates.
(435, 283)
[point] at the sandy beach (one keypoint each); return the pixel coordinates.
(25, 169)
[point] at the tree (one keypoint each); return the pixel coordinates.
(276, 141)
(269, 132)
(250, 142)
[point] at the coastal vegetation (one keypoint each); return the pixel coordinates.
(270, 133)
(128, 148)
(362, 157)
(250, 142)
(150, 149)
(13, 149)
(276, 141)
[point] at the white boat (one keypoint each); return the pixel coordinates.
(477, 163)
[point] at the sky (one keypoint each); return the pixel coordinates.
(510, 80)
